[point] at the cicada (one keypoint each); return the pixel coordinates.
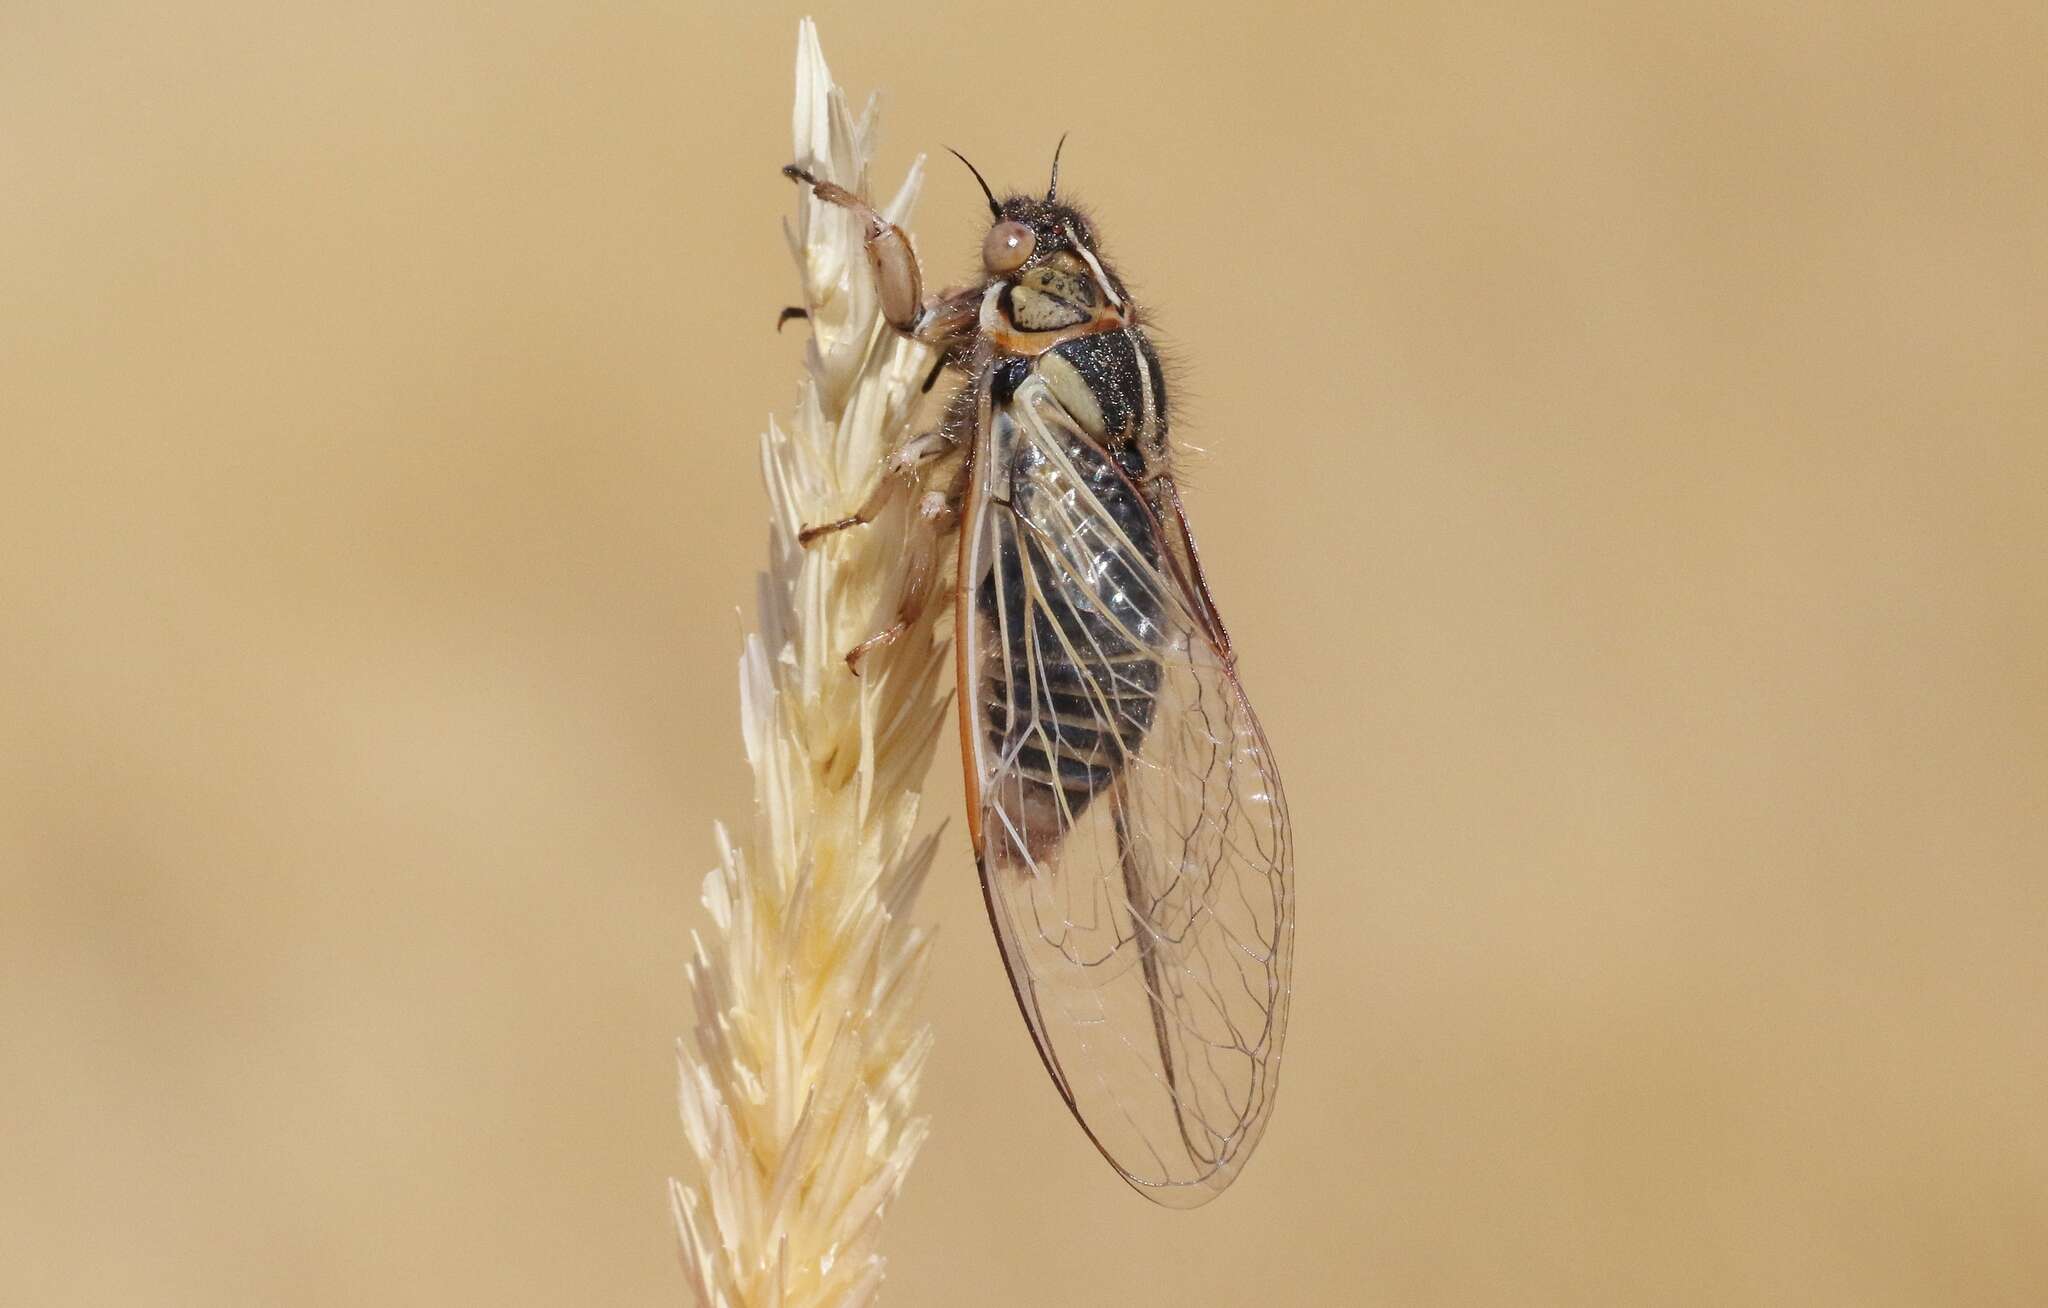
(1126, 814)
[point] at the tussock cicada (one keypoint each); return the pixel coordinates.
(1126, 813)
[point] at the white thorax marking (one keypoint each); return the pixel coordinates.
(1094, 265)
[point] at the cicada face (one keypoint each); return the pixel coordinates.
(1128, 820)
(1053, 281)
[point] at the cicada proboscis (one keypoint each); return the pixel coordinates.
(1126, 813)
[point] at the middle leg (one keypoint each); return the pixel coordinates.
(900, 474)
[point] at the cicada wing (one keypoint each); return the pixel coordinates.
(1132, 833)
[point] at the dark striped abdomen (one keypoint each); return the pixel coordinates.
(1073, 600)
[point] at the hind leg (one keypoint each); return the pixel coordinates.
(938, 516)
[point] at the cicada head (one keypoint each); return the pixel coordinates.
(1043, 249)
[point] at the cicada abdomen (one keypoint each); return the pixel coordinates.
(1068, 602)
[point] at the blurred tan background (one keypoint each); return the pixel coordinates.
(1626, 478)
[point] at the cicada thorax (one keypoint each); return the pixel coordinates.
(1071, 619)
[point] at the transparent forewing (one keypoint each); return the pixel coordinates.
(1134, 843)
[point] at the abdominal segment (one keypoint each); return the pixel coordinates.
(1071, 613)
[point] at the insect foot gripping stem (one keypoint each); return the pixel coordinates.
(899, 476)
(878, 499)
(889, 252)
(937, 515)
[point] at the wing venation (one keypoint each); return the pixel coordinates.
(1133, 835)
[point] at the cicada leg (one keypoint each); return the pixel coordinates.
(899, 475)
(945, 321)
(938, 514)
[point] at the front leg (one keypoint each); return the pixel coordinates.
(945, 322)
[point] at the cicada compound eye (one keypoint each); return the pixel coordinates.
(1007, 247)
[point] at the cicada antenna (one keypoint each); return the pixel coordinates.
(1052, 190)
(994, 209)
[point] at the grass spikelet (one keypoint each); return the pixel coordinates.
(799, 1079)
